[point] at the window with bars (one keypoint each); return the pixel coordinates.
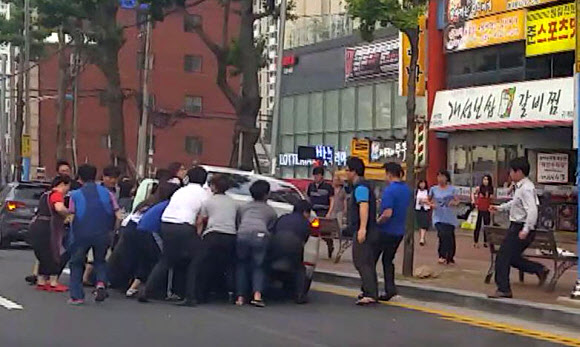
(192, 63)
(193, 104)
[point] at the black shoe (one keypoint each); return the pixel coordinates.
(101, 294)
(387, 297)
(301, 300)
(543, 276)
(500, 295)
(31, 280)
(186, 303)
(330, 252)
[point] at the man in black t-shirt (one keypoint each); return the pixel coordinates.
(321, 196)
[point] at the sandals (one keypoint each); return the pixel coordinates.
(366, 301)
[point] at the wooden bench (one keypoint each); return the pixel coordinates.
(543, 246)
(330, 228)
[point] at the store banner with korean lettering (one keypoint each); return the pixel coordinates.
(487, 31)
(552, 168)
(405, 62)
(511, 105)
(462, 10)
(551, 30)
(374, 60)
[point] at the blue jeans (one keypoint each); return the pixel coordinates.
(251, 252)
(77, 265)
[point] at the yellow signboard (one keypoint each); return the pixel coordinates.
(551, 30)
(461, 10)
(405, 61)
(26, 148)
(577, 40)
(487, 31)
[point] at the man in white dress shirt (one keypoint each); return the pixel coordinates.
(523, 214)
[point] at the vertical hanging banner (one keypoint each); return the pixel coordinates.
(405, 61)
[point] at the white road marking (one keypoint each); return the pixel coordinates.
(10, 305)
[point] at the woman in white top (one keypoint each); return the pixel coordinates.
(422, 209)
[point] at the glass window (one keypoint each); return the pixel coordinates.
(461, 170)
(193, 104)
(345, 140)
(483, 158)
(193, 145)
(301, 124)
(347, 109)
(190, 21)
(504, 155)
(400, 112)
(365, 108)
(538, 67)
(383, 105)
(287, 145)
(287, 172)
(485, 60)
(331, 109)
(563, 64)
(316, 112)
(287, 116)
(459, 63)
(192, 63)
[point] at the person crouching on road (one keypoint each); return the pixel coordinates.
(257, 218)
(362, 223)
(47, 232)
(96, 213)
(287, 249)
(392, 224)
(219, 237)
(179, 232)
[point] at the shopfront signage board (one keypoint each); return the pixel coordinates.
(551, 30)
(421, 67)
(462, 10)
(552, 168)
(291, 159)
(512, 105)
(487, 31)
(379, 59)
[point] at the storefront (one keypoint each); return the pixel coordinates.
(488, 126)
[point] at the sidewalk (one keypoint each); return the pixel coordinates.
(469, 271)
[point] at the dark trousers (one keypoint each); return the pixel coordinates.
(218, 262)
(483, 218)
(79, 251)
(286, 263)
(148, 254)
(251, 251)
(181, 251)
(363, 256)
(329, 240)
(387, 247)
(510, 254)
(40, 236)
(446, 234)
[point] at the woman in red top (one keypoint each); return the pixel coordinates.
(46, 233)
(482, 199)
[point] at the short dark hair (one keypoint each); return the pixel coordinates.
(126, 187)
(197, 175)
(260, 190)
(111, 171)
(357, 165)
(62, 162)
(60, 179)
(446, 174)
(520, 164)
(302, 206)
(319, 170)
(162, 175)
(394, 169)
(174, 168)
(87, 173)
(221, 183)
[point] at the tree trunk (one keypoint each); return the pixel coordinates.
(409, 243)
(19, 126)
(115, 100)
(63, 72)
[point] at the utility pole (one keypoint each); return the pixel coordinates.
(278, 95)
(27, 66)
(143, 125)
(75, 92)
(3, 118)
(576, 290)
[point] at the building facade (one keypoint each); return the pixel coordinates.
(187, 108)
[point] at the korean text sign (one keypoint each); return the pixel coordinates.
(380, 59)
(522, 104)
(552, 168)
(487, 31)
(551, 30)
(462, 10)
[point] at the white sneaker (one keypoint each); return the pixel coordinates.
(131, 293)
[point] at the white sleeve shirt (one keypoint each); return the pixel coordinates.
(185, 205)
(523, 208)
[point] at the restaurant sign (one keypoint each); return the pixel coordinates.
(551, 30)
(487, 31)
(462, 10)
(291, 159)
(552, 168)
(380, 59)
(512, 105)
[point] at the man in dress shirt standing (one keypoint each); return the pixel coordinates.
(523, 214)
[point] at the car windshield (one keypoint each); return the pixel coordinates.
(26, 192)
(279, 191)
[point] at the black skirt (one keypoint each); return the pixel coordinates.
(422, 217)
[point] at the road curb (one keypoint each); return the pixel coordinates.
(543, 313)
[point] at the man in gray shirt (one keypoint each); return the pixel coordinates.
(257, 218)
(523, 214)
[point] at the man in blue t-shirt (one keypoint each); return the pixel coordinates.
(391, 222)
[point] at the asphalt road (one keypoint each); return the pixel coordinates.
(328, 320)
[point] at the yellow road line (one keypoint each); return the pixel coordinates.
(458, 318)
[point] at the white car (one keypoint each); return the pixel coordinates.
(282, 197)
